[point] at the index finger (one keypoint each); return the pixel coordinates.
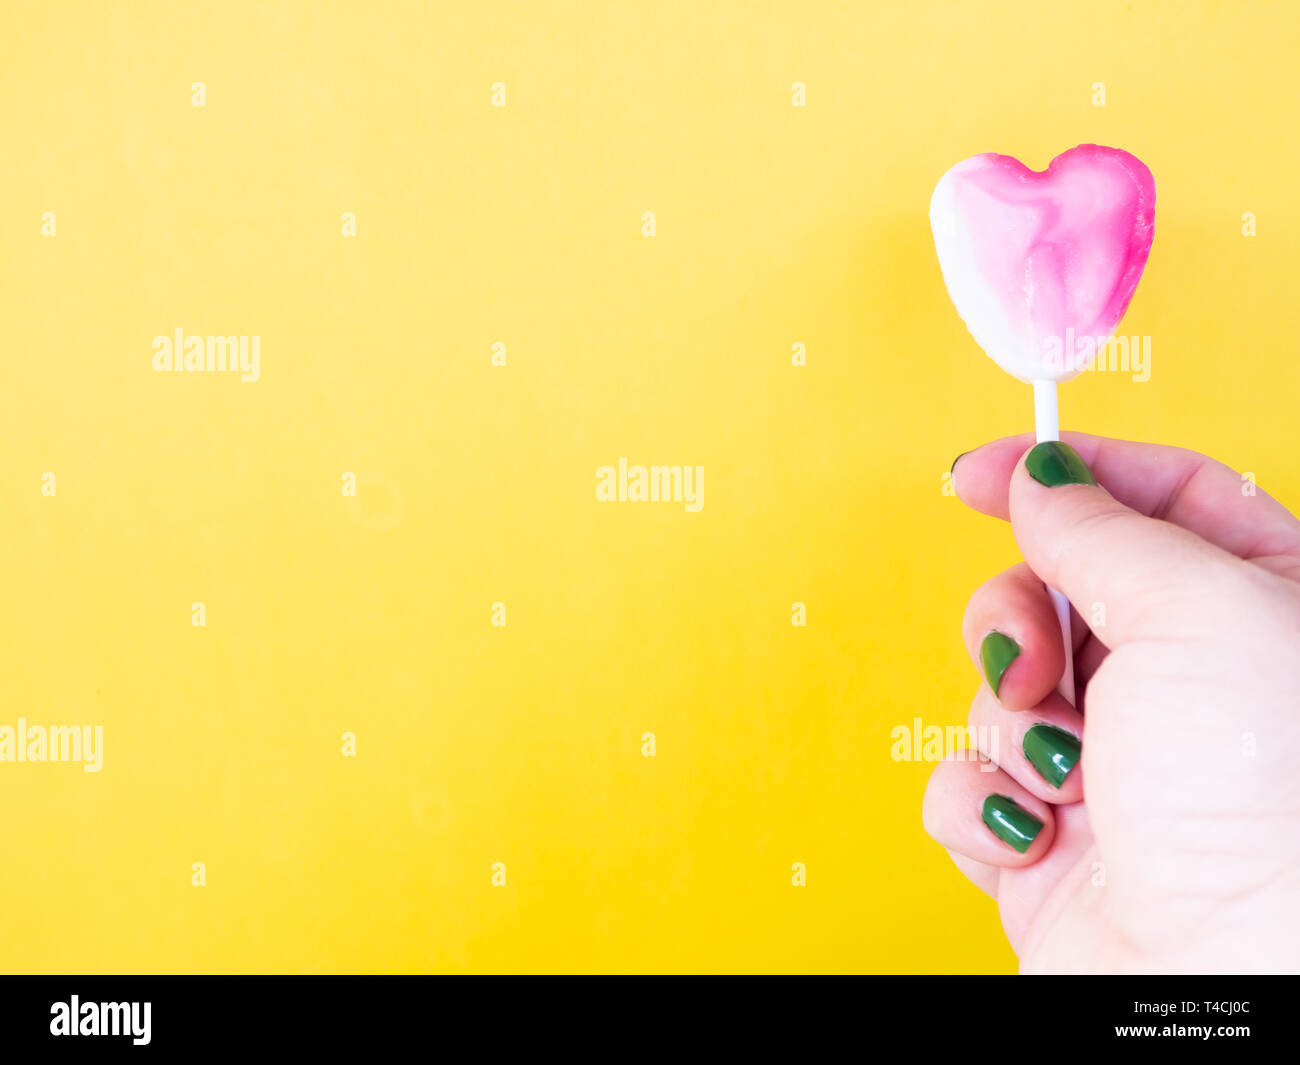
(1176, 485)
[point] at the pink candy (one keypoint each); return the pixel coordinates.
(1041, 266)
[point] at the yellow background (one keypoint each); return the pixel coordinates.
(823, 484)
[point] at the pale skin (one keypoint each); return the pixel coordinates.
(1173, 845)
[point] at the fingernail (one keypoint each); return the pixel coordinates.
(1053, 463)
(1052, 751)
(996, 653)
(953, 468)
(1011, 822)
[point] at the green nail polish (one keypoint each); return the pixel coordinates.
(1052, 751)
(996, 653)
(1011, 822)
(1053, 463)
(953, 467)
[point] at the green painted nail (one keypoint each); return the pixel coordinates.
(996, 653)
(1011, 822)
(1053, 463)
(953, 467)
(1052, 751)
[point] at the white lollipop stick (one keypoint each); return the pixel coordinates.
(1047, 427)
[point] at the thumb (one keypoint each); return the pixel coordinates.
(1130, 576)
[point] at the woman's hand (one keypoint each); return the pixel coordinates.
(1157, 826)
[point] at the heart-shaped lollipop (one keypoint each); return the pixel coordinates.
(1041, 267)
